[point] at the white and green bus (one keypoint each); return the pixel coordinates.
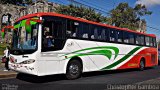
(51, 43)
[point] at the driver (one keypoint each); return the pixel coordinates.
(48, 40)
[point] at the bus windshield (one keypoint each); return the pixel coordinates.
(25, 41)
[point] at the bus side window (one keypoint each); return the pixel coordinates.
(99, 33)
(112, 35)
(131, 38)
(96, 33)
(72, 28)
(93, 31)
(103, 34)
(150, 41)
(85, 31)
(119, 36)
(69, 28)
(126, 37)
(142, 40)
(147, 41)
(137, 39)
(154, 42)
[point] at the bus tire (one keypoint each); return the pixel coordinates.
(142, 65)
(74, 69)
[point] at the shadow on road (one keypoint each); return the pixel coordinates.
(98, 73)
(59, 77)
(40, 79)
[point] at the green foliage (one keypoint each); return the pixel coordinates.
(82, 12)
(2, 48)
(122, 16)
(127, 17)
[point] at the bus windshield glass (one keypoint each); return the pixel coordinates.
(25, 37)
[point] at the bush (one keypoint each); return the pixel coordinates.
(2, 48)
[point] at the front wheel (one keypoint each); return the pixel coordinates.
(74, 70)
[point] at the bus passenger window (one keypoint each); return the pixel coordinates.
(72, 28)
(137, 39)
(119, 36)
(103, 34)
(154, 42)
(142, 40)
(84, 33)
(150, 41)
(126, 37)
(147, 41)
(95, 33)
(112, 35)
(131, 38)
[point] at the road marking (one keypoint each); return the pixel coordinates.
(147, 81)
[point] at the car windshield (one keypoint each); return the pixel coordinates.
(23, 38)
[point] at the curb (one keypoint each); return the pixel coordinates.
(11, 75)
(7, 74)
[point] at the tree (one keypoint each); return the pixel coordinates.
(16, 2)
(127, 17)
(80, 11)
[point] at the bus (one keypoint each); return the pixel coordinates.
(52, 43)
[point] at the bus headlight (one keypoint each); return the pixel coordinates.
(27, 61)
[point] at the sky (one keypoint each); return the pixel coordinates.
(106, 5)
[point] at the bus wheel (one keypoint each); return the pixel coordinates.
(141, 65)
(74, 70)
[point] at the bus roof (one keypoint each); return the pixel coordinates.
(79, 19)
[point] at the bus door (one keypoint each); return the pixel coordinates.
(53, 40)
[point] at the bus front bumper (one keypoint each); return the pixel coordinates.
(28, 69)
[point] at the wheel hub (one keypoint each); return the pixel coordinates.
(73, 69)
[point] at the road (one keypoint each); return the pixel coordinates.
(89, 81)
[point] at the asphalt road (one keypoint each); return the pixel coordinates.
(89, 81)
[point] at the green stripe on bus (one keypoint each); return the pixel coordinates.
(116, 50)
(122, 59)
(106, 53)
